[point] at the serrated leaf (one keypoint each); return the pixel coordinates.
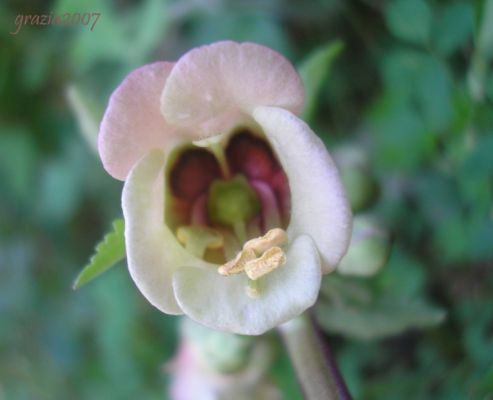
(108, 252)
(314, 71)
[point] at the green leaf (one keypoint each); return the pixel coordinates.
(409, 20)
(485, 34)
(434, 92)
(418, 77)
(314, 71)
(453, 27)
(400, 69)
(379, 320)
(108, 253)
(17, 163)
(402, 140)
(87, 113)
(385, 305)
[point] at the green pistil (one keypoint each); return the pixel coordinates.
(233, 203)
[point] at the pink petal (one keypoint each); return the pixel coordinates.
(213, 88)
(319, 207)
(133, 124)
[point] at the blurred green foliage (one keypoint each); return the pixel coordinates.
(413, 86)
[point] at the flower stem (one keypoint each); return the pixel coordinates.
(316, 369)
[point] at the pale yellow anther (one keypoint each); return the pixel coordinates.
(274, 237)
(269, 261)
(197, 239)
(237, 265)
(258, 257)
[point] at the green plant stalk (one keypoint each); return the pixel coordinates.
(316, 370)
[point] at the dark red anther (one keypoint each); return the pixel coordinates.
(193, 173)
(250, 155)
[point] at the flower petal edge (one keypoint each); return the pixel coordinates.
(319, 207)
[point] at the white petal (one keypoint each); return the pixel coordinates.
(212, 88)
(319, 207)
(220, 302)
(153, 253)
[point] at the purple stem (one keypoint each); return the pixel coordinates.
(315, 367)
(332, 363)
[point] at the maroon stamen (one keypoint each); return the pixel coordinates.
(193, 173)
(250, 155)
(195, 168)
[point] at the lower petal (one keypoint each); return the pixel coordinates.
(221, 303)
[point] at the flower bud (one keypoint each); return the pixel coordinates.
(369, 249)
(221, 352)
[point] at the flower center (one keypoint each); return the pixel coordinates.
(232, 203)
(221, 196)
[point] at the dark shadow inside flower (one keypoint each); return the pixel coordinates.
(235, 188)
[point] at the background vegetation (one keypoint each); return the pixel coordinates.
(412, 88)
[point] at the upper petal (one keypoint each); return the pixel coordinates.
(133, 124)
(153, 253)
(319, 207)
(212, 87)
(221, 303)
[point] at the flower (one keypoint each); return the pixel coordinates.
(233, 207)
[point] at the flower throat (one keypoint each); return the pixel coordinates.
(229, 204)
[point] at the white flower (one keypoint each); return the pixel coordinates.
(212, 153)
